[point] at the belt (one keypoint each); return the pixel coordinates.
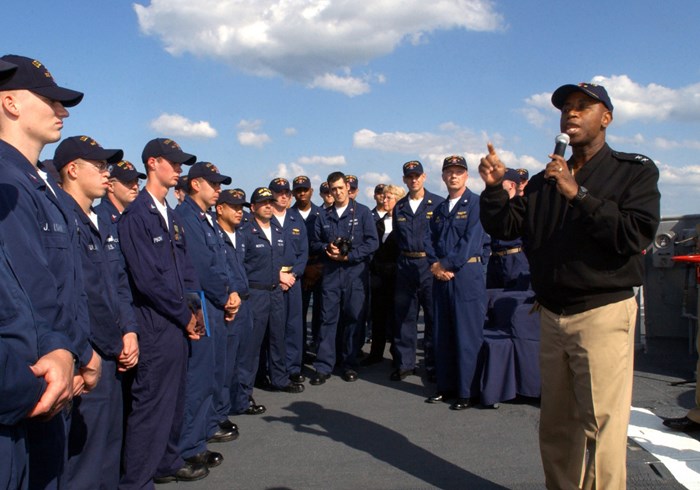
(474, 260)
(413, 255)
(262, 286)
(509, 251)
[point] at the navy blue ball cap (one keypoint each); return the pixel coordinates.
(125, 172)
(379, 189)
(412, 167)
(524, 174)
(454, 161)
(166, 148)
(233, 197)
(280, 184)
(182, 183)
(83, 147)
(261, 194)
(6, 70)
(33, 76)
(324, 188)
(352, 180)
(301, 182)
(592, 90)
(512, 175)
(209, 172)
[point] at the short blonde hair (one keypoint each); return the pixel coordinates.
(397, 191)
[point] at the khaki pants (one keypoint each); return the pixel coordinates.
(586, 362)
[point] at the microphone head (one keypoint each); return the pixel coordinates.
(562, 138)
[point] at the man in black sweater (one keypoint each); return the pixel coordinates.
(585, 224)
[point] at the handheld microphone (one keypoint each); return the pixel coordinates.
(560, 144)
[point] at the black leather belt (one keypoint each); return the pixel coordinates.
(262, 286)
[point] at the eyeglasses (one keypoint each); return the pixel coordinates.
(100, 165)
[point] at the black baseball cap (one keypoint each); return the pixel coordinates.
(209, 172)
(352, 180)
(280, 184)
(83, 147)
(301, 182)
(512, 175)
(32, 75)
(412, 167)
(166, 148)
(124, 171)
(379, 189)
(6, 70)
(454, 161)
(232, 196)
(592, 90)
(261, 194)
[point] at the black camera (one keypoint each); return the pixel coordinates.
(344, 245)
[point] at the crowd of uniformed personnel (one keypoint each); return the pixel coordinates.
(135, 330)
(131, 331)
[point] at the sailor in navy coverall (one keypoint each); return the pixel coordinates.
(296, 248)
(344, 280)
(264, 257)
(413, 272)
(508, 267)
(42, 241)
(94, 441)
(311, 280)
(153, 243)
(123, 187)
(22, 384)
(206, 416)
(240, 355)
(455, 251)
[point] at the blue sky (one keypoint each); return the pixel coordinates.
(267, 88)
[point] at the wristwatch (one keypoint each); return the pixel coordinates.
(581, 194)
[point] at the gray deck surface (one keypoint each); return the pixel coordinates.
(379, 434)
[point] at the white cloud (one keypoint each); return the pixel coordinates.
(632, 101)
(678, 176)
(251, 138)
(308, 41)
(287, 171)
(246, 125)
(249, 134)
(326, 161)
(177, 125)
(290, 131)
(350, 86)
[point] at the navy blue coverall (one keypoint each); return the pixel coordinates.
(309, 288)
(457, 242)
(416, 281)
(296, 249)
(344, 284)
(508, 267)
(20, 389)
(94, 440)
(263, 261)
(160, 274)
(204, 401)
(40, 236)
(239, 354)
